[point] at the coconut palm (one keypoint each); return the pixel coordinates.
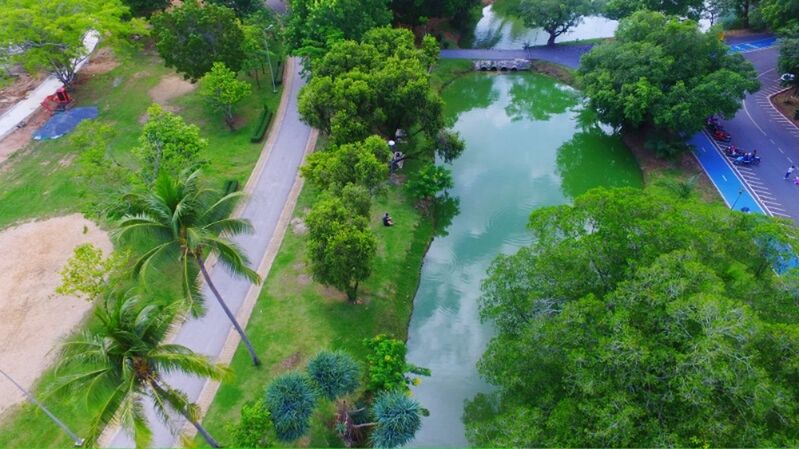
(186, 222)
(123, 360)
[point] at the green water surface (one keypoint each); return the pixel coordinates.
(529, 143)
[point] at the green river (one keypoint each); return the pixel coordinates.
(529, 144)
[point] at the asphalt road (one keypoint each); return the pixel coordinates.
(758, 125)
(568, 55)
(207, 335)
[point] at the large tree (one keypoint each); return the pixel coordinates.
(363, 163)
(619, 9)
(460, 13)
(642, 319)
(789, 61)
(781, 15)
(50, 34)
(554, 16)
(191, 37)
(314, 25)
(662, 73)
(121, 359)
(373, 87)
(186, 223)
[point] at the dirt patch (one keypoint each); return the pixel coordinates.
(18, 90)
(298, 226)
(559, 72)
(291, 361)
(66, 161)
(22, 136)
(102, 61)
(34, 318)
(787, 104)
(170, 87)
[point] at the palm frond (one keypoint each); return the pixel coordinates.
(232, 257)
(230, 226)
(144, 263)
(178, 358)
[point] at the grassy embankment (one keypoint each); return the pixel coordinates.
(43, 180)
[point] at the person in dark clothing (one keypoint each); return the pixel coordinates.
(387, 221)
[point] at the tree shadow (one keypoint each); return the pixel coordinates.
(469, 92)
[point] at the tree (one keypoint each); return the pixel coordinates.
(222, 90)
(397, 419)
(253, 428)
(313, 26)
(87, 273)
(373, 87)
(428, 181)
(243, 8)
(638, 318)
(554, 16)
(461, 13)
(789, 61)
(144, 8)
(186, 223)
(51, 34)
(192, 37)
(664, 75)
(340, 245)
(122, 359)
(781, 15)
(388, 369)
(291, 400)
(449, 145)
(168, 145)
(363, 163)
(335, 373)
(619, 9)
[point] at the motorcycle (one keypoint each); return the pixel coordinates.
(722, 136)
(733, 152)
(746, 160)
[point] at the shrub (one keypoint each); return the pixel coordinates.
(290, 400)
(335, 373)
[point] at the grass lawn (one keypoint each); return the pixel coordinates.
(42, 180)
(295, 317)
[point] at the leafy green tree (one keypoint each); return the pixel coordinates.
(449, 145)
(357, 199)
(335, 373)
(373, 87)
(168, 145)
(460, 13)
(144, 8)
(428, 182)
(639, 318)
(555, 17)
(186, 223)
(313, 26)
(789, 61)
(291, 400)
(341, 246)
(191, 37)
(664, 74)
(388, 369)
(781, 15)
(619, 9)
(363, 163)
(253, 428)
(51, 33)
(397, 419)
(223, 90)
(243, 8)
(121, 359)
(87, 273)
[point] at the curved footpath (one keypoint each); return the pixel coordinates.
(272, 188)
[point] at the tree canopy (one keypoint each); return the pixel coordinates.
(554, 16)
(191, 37)
(373, 87)
(789, 60)
(222, 89)
(663, 73)
(313, 26)
(460, 13)
(619, 9)
(168, 145)
(781, 14)
(50, 34)
(641, 319)
(363, 163)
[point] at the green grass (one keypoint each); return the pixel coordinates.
(295, 317)
(42, 181)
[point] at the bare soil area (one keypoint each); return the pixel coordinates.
(18, 90)
(33, 318)
(787, 104)
(170, 87)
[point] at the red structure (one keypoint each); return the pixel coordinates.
(58, 101)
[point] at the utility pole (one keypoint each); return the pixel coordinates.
(78, 441)
(268, 58)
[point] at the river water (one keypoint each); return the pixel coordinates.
(529, 143)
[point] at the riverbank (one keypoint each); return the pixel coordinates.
(295, 317)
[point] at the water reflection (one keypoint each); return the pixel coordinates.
(538, 98)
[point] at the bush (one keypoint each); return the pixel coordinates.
(279, 73)
(398, 418)
(335, 373)
(253, 429)
(263, 125)
(290, 400)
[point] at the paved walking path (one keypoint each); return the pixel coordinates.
(24, 108)
(568, 55)
(273, 188)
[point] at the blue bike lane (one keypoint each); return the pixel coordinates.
(732, 189)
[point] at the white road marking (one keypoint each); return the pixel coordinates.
(724, 178)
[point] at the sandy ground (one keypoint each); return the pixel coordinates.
(32, 317)
(170, 87)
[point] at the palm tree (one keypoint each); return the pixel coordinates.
(122, 361)
(185, 222)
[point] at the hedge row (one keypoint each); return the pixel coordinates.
(263, 125)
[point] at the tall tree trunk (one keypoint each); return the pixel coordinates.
(551, 40)
(257, 80)
(352, 292)
(185, 413)
(745, 14)
(255, 360)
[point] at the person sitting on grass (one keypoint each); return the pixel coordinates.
(387, 221)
